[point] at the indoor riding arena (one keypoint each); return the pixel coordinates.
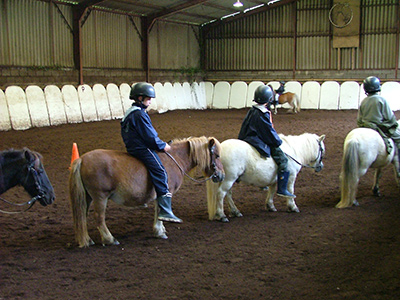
(67, 69)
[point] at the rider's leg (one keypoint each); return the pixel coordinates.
(283, 173)
(396, 140)
(159, 178)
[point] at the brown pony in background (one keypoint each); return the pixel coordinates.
(292, 99)
(102, 175)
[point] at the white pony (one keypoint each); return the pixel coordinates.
(243, 163)
(363, 148)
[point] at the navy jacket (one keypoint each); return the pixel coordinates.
(258, 131)
(138, 132)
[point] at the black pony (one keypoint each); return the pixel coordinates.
(24, 167)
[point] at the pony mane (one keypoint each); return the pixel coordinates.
(302, 145)
(199, 149)
(12, 155)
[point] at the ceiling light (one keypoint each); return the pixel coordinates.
(238, 4)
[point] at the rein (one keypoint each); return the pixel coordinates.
(320, 156)
(186, 174)
(31, 169)
(30, 203)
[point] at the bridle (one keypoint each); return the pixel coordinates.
(31, 171)
(213, 165)
(319, 158)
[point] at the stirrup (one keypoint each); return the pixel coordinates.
(170, 219)
(288, 195)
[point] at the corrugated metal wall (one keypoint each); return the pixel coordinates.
(173, 46)
(266, 41)
(258, 42)
(33, 34)
(111, 41)
(39, 34)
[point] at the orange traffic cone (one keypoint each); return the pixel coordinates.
(75, 153)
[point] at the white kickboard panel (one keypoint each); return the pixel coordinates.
(349, 95)
(250, 92)
(310, 94)
(37, 106)
(18, 108)
(209, 87)
(221, 95)
(125, 90)
(391, 92)
(114, 99)
(170, 97)
(179, 95)
(238, 94)
(5, 123)
(293, 87)
(187, 94)
(88, 106)
(101, 100)
(162, 103)
(198, 95)
(329, 99)
(71, 103)
(55, 105)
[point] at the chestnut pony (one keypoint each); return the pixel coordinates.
(102, 175)
(292, 99)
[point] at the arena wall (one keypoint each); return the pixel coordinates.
(21, 109)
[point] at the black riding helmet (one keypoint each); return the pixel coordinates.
(142, 89)
(372, 84)
(263, 94)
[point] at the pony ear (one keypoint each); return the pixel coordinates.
(28, 155)
(322, 137)
(211, 143)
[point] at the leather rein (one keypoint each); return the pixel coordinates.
(191, 178)
(319, 158)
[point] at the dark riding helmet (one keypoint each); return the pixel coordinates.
(142, 89)
(263, 94)
(372, 84)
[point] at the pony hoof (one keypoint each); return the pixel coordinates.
(163, 236)
(295, 210)
(376, 192)
(113, 243)
(236, 214)
(272, 209)
(355, 203)
(86, 245)
(224, 220)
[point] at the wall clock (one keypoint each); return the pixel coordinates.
(340, 15)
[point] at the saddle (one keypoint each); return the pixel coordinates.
(385, 137)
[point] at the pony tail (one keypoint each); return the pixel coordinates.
(349, 175)
(79, 207)
(297, 103)
(212, 199)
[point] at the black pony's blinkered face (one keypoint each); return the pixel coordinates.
(36, 181)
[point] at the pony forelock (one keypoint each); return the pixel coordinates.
(199, 152)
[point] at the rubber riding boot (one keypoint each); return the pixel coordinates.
(165, 213)
(283, 178)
